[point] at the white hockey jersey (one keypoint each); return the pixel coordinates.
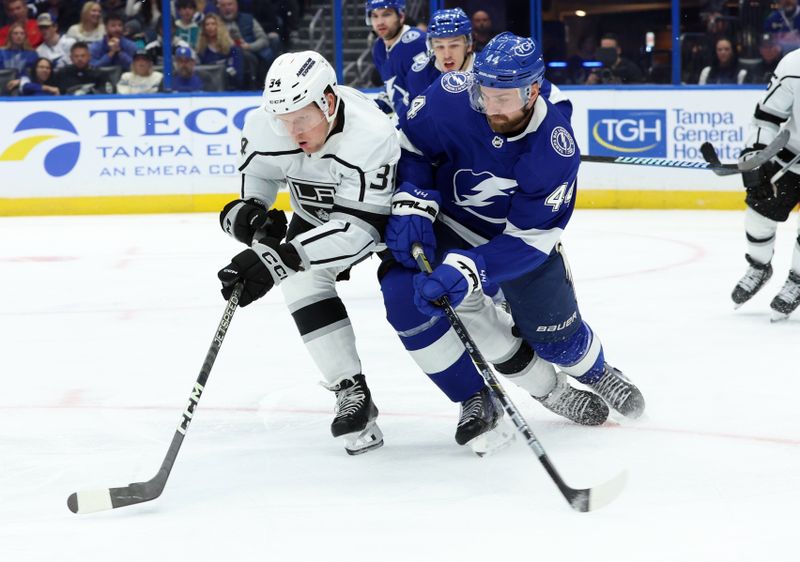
(345, 189)
(780, 106)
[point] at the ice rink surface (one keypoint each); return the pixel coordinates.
(105, 322)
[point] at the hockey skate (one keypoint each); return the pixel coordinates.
(618, 392)
(787, 300)
(355, 416)
(480, 424)
(754, 278)
(580, 406)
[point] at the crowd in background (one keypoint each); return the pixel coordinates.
(73, 47)
(52, 47)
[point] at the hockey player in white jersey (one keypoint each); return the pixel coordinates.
(773, 189)
(337, 153)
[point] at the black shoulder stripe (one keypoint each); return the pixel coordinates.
(254, 154)
(342, 257)
(352, 167)
(762, 115)
(325, 234)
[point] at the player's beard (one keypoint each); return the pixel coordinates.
(510, 127)
(392, 33)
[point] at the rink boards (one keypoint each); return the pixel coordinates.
(176, 153)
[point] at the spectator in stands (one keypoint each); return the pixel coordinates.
(185, 79)
(249, 36)
(91, 27)
(113, 49)
(587, 45)
(616, 68)
(771, 52)
(142, 79)
(17, 54)
(79, 77)
(155, 49)
(725, 67)
(147, 12)
(481, 30)
(785, 19)
(63, 13)
(113, 6)
(188, 22)
(17, 12)
(41, 81)
(133, 32)
(55, 46)
(216, 47)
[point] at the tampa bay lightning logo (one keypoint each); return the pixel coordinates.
(410, 35)
(456, 82)
(483, 194)
(562, 142)
(523, 49)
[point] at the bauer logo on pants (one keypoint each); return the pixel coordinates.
(628, 132)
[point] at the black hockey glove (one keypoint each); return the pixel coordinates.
(242, 219)
(261, 267)
(758, 182)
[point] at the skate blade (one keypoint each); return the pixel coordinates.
(778, 317)
(493, 441)
(358, 443)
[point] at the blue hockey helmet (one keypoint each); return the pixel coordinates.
(398, 6)
(507, 61)
(453, 22)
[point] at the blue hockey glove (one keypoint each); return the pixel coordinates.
(411, 221)
(460, 274)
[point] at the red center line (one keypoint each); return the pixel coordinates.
(254, 409)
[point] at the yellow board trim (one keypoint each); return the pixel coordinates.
(206, 203)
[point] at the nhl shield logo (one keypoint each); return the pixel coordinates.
(497, 142)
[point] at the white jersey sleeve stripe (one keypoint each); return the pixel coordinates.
(542, 240)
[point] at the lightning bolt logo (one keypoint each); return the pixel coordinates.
(483, 191)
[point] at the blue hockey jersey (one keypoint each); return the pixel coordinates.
(394, 64)
(424, 73)
(510, 197)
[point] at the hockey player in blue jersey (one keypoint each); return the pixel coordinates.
(450, 49)
(487, 185)
(394, 50)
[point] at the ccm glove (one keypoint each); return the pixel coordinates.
(242, 219)
(460, 274)
(411, 221)
(260, 268)
(758, 182)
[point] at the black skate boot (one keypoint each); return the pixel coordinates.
(787, 300)
(754, 278)
(479, 414)
(619, 393)
(580, 406)
(355, 416)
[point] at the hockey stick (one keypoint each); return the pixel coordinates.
(756, 161)
(587, 499)
(138, 492)
(719, 168)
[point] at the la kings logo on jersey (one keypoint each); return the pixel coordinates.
(315, 198)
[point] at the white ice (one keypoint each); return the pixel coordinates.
(105, 322)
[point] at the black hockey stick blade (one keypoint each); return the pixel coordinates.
(90, 501)
(758, 160)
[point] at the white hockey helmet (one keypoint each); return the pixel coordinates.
(296, 80)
